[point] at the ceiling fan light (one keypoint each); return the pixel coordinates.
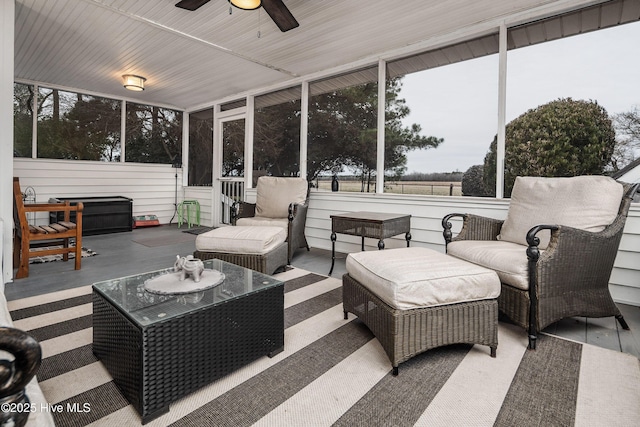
(133, 82)
(246, 4)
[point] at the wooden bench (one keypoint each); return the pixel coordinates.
(57, 234)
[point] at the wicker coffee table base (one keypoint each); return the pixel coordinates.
(406, 333)
(161, 363)
(264, 263)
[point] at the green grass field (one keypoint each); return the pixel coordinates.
(425, 188)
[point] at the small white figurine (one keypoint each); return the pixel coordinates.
(189, 266)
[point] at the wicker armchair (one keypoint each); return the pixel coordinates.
(280, 202)
(553, 271)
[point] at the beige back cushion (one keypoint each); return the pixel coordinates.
(274, 194)
(586, 202)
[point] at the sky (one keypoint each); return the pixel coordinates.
(459, 102)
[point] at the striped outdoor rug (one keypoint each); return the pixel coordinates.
(334, 372)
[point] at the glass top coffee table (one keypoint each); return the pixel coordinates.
(159, 348)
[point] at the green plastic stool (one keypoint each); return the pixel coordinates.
(193, 209)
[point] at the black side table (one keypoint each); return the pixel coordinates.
(369, 224)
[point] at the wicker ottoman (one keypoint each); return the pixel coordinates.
(415, 299)
(259, 248)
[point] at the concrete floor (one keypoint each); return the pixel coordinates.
(154, 248)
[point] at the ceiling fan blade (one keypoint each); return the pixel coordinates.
(191, 4)
(280, 14)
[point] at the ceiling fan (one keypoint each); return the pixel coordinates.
(275, 8)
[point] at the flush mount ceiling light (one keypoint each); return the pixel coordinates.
(133, 82)
(246, 4)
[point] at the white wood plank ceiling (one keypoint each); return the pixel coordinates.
(194, 58)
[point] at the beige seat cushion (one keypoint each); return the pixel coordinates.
(507, 259)
(586, 202)
(408, 278)
(263, 222)
(241, 240)
(275, 194)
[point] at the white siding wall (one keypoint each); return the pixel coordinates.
(625, 278)
(426, 216)
(426, 228)
(204, 196)
(152, 187)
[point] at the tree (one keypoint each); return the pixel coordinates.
(76, 126)
(561, 138)
(95, 128)
(343, 132)
(22, 119)
(276, 139)
(201, 148)
(233, 148)
(154, 134)
(473, 182)
(627, 127)
(399, 139)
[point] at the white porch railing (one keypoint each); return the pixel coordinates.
(231, 191)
